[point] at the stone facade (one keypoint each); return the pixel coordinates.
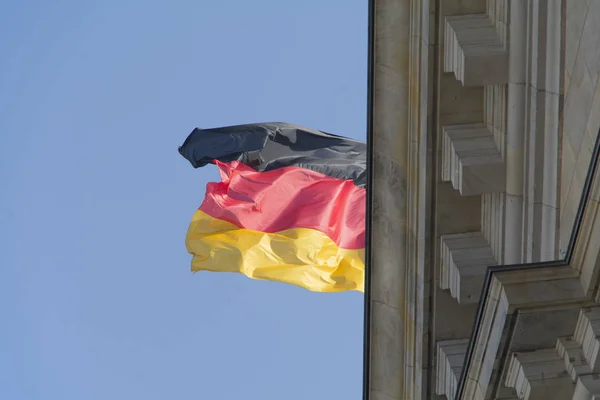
(484, 224)
(582, 104)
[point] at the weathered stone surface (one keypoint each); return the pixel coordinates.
(578, 103)
(390, 181)
(399, 170)
(377, 395)
(578, 142)
(450, 317)
(456, 213)
(539, 329)
(590, 37)
(462, 105)
(461, 7)
(387, 342)
(388, 281)
(576, 11)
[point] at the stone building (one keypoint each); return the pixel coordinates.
(484, 119)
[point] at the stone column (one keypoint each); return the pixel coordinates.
(398, 199)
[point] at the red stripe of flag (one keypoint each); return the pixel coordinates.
(286, 198)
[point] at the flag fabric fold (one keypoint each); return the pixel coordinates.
(290, 206)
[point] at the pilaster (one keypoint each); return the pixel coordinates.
(400, 157)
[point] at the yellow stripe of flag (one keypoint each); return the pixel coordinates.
(302, 257)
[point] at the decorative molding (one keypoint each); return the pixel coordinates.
(464, 258)
(418, 197)
(516, 113)
(474, 51)
(539, 375)
(542, 94)
(471, 160)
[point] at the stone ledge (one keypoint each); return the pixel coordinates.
(464, 260)
(474, 52)
(471, 160)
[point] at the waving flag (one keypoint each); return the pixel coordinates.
(290, 206)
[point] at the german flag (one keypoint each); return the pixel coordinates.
(290, 206)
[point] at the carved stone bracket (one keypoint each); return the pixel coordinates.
(572, 355)
(450, 358)
(539, 375)
(474, 51)
(471, 160)
(464, 258)
(586, 335)
(580, 354)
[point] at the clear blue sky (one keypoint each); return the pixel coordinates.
(97, 300)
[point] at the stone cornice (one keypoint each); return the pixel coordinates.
(510, 288)
(538, 374)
